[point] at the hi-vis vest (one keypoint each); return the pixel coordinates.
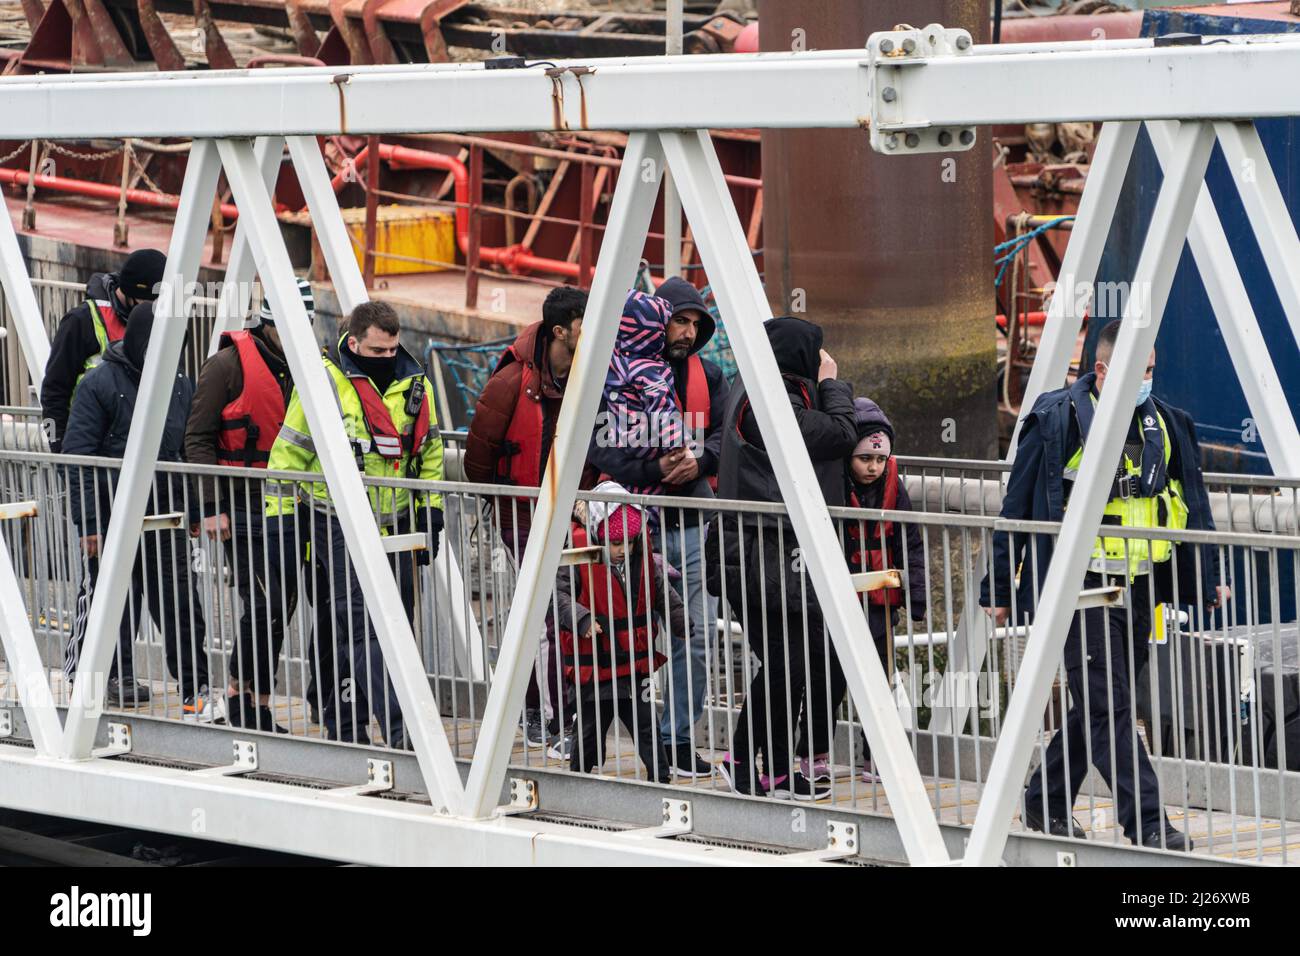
(108, 329)
(1126, 508)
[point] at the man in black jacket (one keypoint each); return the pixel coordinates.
(87, 331)
(99, 425)
(754, 560)
(1158, 484)
(690, 472)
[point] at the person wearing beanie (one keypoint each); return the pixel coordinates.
(698, 392)
(99, 425)
(872, 478)
(86, 331)
(607, 613)
(239, 406)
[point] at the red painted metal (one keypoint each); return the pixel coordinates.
(372, 212)
(282, 59)
(80, 187)
(161, 44)
(473, 247)
(435, 47)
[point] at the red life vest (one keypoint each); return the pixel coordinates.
(386, 440)
(250, 423)
(521, 459)
(626, 643)
(698, 411)
(869, 541)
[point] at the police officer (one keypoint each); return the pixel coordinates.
(1157, 484)
(386, 403)
(86, 332)
(239, 407)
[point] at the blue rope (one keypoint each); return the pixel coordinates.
(1013, 247)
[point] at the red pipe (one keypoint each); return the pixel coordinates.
(82, 187)
(1035, 319)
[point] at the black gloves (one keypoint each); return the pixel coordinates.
(430, 521)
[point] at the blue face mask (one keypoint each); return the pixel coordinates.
(1144, 392)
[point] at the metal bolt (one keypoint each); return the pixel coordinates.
(909, 45)
(963, 42)
(933, 39)
(886, 45)
(832, 841)
(684, 808)
(945, 138)
(889, 94)
(892, 142)
(683, 819)
(912, 141)
(967, 137)
(850, 844)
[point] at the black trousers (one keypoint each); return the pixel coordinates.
(1097, 669)
(265, 571)
(162, 587)
(558, 684)
(778, 607)
(628, 698)
(362, 688)
(820, 729)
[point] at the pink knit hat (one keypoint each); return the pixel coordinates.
(877, 443)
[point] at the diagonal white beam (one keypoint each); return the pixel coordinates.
(140, 460)
(1236, 316)
(1184, 173)
(423, 723)
(24, 662)
(20, 298)
(237, 290)
(620, 253)
(1267, 210)
(1078, 275)
(734, 279)
(350, 287)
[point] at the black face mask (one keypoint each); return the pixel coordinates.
(380, 369)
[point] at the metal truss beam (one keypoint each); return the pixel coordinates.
(1184, 173)
(1104, 81)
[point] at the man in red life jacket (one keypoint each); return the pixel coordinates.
(86, 332)
(691, 472)
(509, 442)
(239, 405)
(608, 615)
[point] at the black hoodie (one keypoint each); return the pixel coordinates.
(100, 424)
(823, 411)
(74, 343)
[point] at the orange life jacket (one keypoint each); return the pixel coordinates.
(250, 423)
(626, 644)
(869, 541)
(387, 441)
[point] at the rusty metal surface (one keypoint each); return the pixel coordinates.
(890, 255)
(214, 45)
(161, 44)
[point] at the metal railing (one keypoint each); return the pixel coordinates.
(274, 611)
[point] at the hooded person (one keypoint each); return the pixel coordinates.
(751, 560)
(871, 544)
(607, 614)
(239, 406)
(85, 332)
(700, 392)
(99, 425)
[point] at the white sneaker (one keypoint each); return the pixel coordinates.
(204, 707)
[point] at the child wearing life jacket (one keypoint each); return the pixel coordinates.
(608, 612)
(869, 545)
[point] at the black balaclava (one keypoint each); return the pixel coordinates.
(380, 369)
(138, 329)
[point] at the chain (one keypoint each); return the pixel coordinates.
(143, 175)
(87, 157)
(21, 146)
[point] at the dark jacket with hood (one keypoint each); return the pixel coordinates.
(221, 381)
(100, 424)
(524, 364)
(1036, 491)
(870, 419)
(74, 343)
(637, 472)
(825, 416)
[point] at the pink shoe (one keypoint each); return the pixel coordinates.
(818, 769)
(869, 774)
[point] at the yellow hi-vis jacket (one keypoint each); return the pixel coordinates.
(294, 449)
(1166, 509)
